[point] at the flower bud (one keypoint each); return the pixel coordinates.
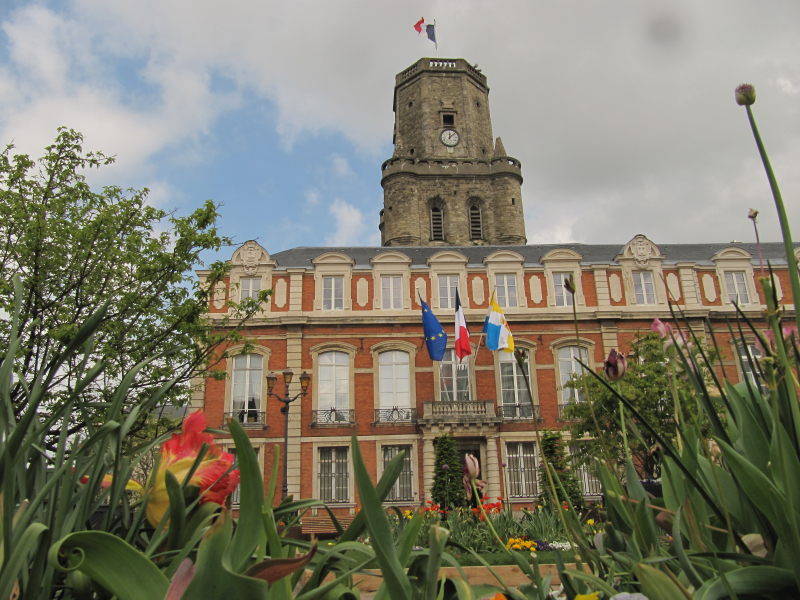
(752, 214)
(745, 94)
(569, 284)
(662, 329)
(471, 467)
(615, 366)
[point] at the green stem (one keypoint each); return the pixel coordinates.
(791, 260)
(485, 516)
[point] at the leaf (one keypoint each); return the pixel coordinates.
(18, 560)
(657, 585)
(273, 569)
(110, 562)
(250, 530)
(758, 580)
(181, 580)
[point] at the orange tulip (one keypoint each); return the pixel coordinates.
(213, 475)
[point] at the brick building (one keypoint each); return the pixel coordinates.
(452, 219)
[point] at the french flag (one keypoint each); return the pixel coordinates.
(462, 333)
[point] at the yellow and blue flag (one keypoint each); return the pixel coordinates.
(498, 335)
(435, 337)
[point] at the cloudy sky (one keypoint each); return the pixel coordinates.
(621, 112)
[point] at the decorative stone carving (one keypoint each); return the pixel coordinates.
(478, 292)
(641, 250)
(615, 287)
(280, 293)
(251, 255)
(673, 286)
(709, 291)
(536, 289)
(362, 291)
(218, 298)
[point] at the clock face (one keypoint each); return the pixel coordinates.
(449, 137)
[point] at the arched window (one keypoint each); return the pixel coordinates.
(454, 385)
(568, 369)
(475, 223)
(514, 389)
(394, 379)
(334, 381)
(437, 224)
(246, 389)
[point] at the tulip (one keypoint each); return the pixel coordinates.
(212, 477)
(471, 466)
(662, 329)
(131, 485)
(745, 94)
(615, 366)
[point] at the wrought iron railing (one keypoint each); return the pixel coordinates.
(520, 412)
(248, 418)
(395, 415)
(333, 416)
(562, 409)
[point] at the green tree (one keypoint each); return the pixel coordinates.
(653, 378)
(448, 487)
(77, 249)
(555, 455)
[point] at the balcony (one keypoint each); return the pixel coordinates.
(395, 415)
(248, 418)
(562, 408)
(449, 411)
(333, 417)
(520, 412)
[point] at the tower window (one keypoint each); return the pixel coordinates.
(448, 120)
(475, 223)
(437, 224)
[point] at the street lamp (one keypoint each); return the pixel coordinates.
(286, 400)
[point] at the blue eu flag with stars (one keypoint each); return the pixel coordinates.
(435, 337)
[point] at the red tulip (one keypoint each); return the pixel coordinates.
(615, 366)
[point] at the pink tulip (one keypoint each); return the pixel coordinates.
(471, 467)
(662, 329)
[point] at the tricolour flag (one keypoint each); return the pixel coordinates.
(498, 335)
(435, 337)
(418, 25)
(431, 31)
(462, 333)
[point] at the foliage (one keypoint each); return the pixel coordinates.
(448, 487)
(79, 249)
(651, 383)
(567, 487)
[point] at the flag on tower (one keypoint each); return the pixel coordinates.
(431, 31)
(418, 25)
(462, 333)
(435, 337)
(498, 335)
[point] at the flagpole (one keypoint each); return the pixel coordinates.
(436, 41)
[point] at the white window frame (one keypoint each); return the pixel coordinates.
(562, 297)
(568, 368)
(743, 351)
(506, 289)
(644, 287)
(522, 469)
(333, 365)
(461, 388)
(332, 298)
(249, 287)
(506, 361)
(249, 385)
(736, 286)
(448, 284)
(391, 292)
(394, 374)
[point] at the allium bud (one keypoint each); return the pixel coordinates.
(752, 214)
(615, 366)
(745, 94)
(569, 284)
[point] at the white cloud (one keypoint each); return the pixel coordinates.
(341, 166)
(349, 223)
(312, 197)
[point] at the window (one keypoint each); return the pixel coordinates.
(402, 489)
(394, 379)
(586, 473)
(448, 284)
(391, 291)
(737, 288)
(569, 368)
(562, 296)
(513, 388)
(236, 494)
(522, 470)
(246, 389)
(506, 287)
(332, 292)
(448, 120)
(453, 381)
(249, 287)
(333, 381)
(749, 354)
(475, 223)
(437, 224)
(333, 474)
(643, 287)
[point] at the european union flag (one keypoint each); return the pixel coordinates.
(435, 337)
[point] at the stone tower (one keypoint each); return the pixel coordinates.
(448, 183)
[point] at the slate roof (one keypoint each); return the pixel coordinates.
(592, 253)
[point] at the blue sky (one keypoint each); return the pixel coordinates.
(621, 112)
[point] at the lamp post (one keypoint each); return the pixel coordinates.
(286, 400)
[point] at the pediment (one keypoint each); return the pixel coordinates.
(448, 256)
(641, 250)
(391, 258)
(333, 258)
(250, 256)
(504, 256)
(732, 253)
(562, 254)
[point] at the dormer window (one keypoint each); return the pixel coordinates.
(437, 224)
(475, 223)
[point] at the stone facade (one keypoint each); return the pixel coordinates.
(472, 172)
